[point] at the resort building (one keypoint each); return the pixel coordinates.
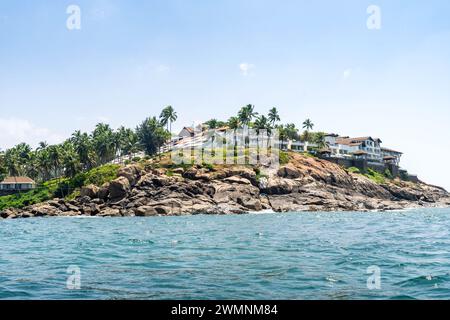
(361, 152)
(17, 184)
(186, 132)
(390, 155)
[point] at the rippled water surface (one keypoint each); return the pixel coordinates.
(258, 256)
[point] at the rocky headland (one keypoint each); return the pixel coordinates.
(303, 184)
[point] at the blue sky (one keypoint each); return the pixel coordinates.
(314, 59)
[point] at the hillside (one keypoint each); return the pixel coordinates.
(303, 183)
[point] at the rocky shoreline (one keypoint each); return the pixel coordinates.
(304, 184)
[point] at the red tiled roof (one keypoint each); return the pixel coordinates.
(14, 180)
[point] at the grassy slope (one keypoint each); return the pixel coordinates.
(60, 187)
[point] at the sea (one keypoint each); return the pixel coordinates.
(332, 255)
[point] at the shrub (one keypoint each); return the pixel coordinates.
(284, 157)
(353, 170)
(388, 174)
(60, 188)
(375, 176)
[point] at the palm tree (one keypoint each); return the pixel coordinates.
(319, 140)
(104, 142)
(308, 125)
(274, 116)
(167, 117)
(2, 166)
(282, 134)
(212, 124)
(262, 123)
(151, 135)
(246, 114)
(84, 148)
(54, 154)
(234, 123)
(70, 161)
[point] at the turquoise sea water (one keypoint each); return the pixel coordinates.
(257, 256)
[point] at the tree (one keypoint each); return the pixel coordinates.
(83, 146)
(104, 142)
(320, 141)
(308, 125)
(167, 117)
(3, 171)
(306, 137)
(234, 123)
(262, 123)
(274, 117)
(246, 114)
(70, 160)
(151, 135)
(282, 134)
(212, 124)
(128, 141)
(54, 155)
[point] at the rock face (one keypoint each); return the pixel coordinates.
(90, 191)
(305, 184)
(118, 189)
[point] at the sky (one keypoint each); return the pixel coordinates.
(310, 59)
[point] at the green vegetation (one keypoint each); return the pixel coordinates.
(85, 151)
(375, 176)
(284, 157)
(388, 174)
(353, 170)
(84, 158)
(167, 117)
(42, 193)
(59, 188)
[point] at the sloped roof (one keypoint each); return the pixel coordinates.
(355, 141)
(390, 150)
(14, 180)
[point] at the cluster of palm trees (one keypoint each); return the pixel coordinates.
(247, 116)
(84, 151)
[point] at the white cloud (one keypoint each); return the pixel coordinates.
(14, 131)
(246, 68)
(347, 74)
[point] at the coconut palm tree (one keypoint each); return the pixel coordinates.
(274, 116)
(105, 142)
(319, 140)
(151, 135)
(308, 125)
(167, 117)
(246, 114)
(83, 146)
(212, 124)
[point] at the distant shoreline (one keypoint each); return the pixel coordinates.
(303, 184)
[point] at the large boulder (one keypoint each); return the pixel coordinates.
(289, 172)
(90, 191)
(110, 212)
(145, 211)
(119, 188)
(237, 180)
(131, 172)
(103, 192)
